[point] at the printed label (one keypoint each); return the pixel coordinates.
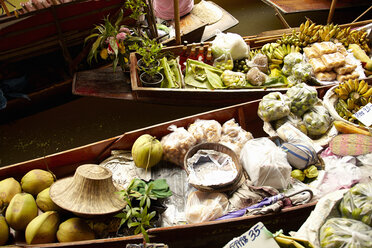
(364, 115)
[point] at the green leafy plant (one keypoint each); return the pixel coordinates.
(113, 41)
(137, 7)
(136, 214)
(151, 52)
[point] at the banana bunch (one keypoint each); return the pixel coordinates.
(289, 39)
(276, 52)
(359, 37)
(353, 95)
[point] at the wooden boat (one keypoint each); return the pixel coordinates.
(94, 82)
(207, 234)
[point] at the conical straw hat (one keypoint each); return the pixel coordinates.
(89, 192)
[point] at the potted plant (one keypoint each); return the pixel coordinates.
(149, 64)
(113, 42)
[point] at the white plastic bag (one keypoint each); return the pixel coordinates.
(230, 43)
(234, 136)
(176, 144)
(204, 206)
(205, 130)
(265, 163)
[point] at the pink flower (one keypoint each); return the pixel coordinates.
(108, 39)
(124, 29)
(121, 36)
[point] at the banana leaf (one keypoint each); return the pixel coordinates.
(171, 72)
(201, 75)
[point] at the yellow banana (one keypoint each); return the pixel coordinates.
(302, 27)
(364, 88)
(368, 93)
(350, 104)
(347, 86)
(361, 85)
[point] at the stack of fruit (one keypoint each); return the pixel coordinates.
(21, 204)
(352, 96)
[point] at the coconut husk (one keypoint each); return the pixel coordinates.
(90, 192)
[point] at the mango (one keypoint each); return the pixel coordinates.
(8, 188)
(74, 229)
(43, 228)
(4, 231)
(45, 203)
(147, 151)
(360, 54)
(36, 180)
(21, 210)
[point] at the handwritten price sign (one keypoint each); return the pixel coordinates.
(364, 115)
(256, 237)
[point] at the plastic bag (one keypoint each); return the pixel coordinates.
(290, 61)
(340, 232)
(176, 144)
(357, 203)
(292, 119)
(256, 77)
(229, 43)
(273, 106)
(211, 168)
(302, 97)
(205, 131)
(317, 120)
(265, 163)
(224, 62)
(232, 79)
(234, 136)
(203, 206)
(260, 61)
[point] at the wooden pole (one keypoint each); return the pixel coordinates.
(362, 14)
(331, 11)
(177, 21)
(2, 2)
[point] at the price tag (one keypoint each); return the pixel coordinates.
(364, 115)
(256, 237)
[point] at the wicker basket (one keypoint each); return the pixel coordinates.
(229, 186)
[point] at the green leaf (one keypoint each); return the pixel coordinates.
(145, 235)
(137, 230)
(133, 224)
(90, 36)
(96, 44)
(214, 79)
(120, 18)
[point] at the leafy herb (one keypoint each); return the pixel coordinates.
(150, 51)
(138, 196)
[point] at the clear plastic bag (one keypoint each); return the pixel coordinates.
(224, 62)
(302, 97)
(256, 77)
(317, 120)
(176, 144)
(265, 163)
(357, 203)
(205, 130)
(341, 232)
(232, 79)
(204, 206)
(273, 106)
(290, 61)
(234, 136)
(229, 43)
(292, 119)
(260, 61)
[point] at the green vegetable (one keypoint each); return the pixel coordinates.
(311, 172)
(201, 75)
(298, 174)
(171, 73)
(302, 98)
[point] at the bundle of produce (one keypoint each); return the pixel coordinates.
(230, 43)
(340, 232)
(234, 79)
(357, 203)
(317, 121)
(205, 130)
(276, 52)
(302, 98)
(172, 73)
(352, 96)
(273, 106)
(203, 76)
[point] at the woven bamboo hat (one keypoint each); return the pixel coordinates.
(88, 193)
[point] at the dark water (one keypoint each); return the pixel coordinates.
(88, 119)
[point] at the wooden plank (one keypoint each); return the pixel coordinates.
(102, 82)
(294, 6)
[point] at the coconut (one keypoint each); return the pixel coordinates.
(21, 210)
(44, 202)
(8, 188)
(43, 228)
(4, 231)
(146, 151)
(74, 229)
(37, 180)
